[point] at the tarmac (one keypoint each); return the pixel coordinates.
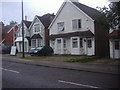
(97, 68)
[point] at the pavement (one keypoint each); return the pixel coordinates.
(98, 68)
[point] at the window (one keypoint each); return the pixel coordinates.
(53, 44)
(89, 43)
(75, 43)
(38, 43)
(117, 44)
(34, 43)
(81, 42)
(60, 26)
(36, 28)
(76, 24)
(59, 41)
(64, 43)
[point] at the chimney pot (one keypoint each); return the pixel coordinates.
(26, 18)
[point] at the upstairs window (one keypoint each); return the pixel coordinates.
(76, 24)
(36, 28)
(60, 26)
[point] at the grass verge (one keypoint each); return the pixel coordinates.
(82, 59)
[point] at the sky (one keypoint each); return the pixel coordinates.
(11, 9)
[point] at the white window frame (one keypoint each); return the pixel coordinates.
(76, 23)
(36, 26)
(38, 43)
(61, 26)
(74, 42)
(34, 43)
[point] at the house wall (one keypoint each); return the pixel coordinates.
(26, 31)
(68, 13)
(42, 30)
(9, 37)
(59, 49)
(114, 53)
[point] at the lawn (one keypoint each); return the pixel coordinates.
(75, 59)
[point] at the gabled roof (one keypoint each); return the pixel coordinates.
(46, 19)
(27, 23)
(35, 36)
(114, 34)
(82, 33)
(90, 12)
(86, 9)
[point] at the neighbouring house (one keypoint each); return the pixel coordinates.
(39, 30)
(8, 34)
(75, 31)
(27, 42)
(114, 43)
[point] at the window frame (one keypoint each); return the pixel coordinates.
(61, 26)
(74, 42)
(89, 43)
(76, 24)
(34, 43)
(37, 28)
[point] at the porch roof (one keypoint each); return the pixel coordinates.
(36, 36)
(114, 34)
(19, 39)
(65, 35)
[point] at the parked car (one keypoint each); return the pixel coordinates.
(5, 49)
(41, 51)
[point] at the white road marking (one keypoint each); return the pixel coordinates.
(77, 84)
(10, 70)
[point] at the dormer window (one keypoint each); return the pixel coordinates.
(60, 26)
(36, 28)
(76, 24)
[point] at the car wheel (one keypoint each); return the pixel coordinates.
(31, 54)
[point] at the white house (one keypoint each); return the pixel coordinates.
(18, 40)
(39, 29)
(75, 31)
(114, 43)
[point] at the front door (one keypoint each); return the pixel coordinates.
(116, 49)
(58, 46)
(89, 46)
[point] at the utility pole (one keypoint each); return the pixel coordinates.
(23, 53)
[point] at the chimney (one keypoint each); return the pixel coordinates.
(25, 18)
(74, 0)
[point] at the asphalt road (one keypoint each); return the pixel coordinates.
(18, 75)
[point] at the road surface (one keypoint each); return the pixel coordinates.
(18, 75)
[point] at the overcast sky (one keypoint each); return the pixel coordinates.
(11, 9)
